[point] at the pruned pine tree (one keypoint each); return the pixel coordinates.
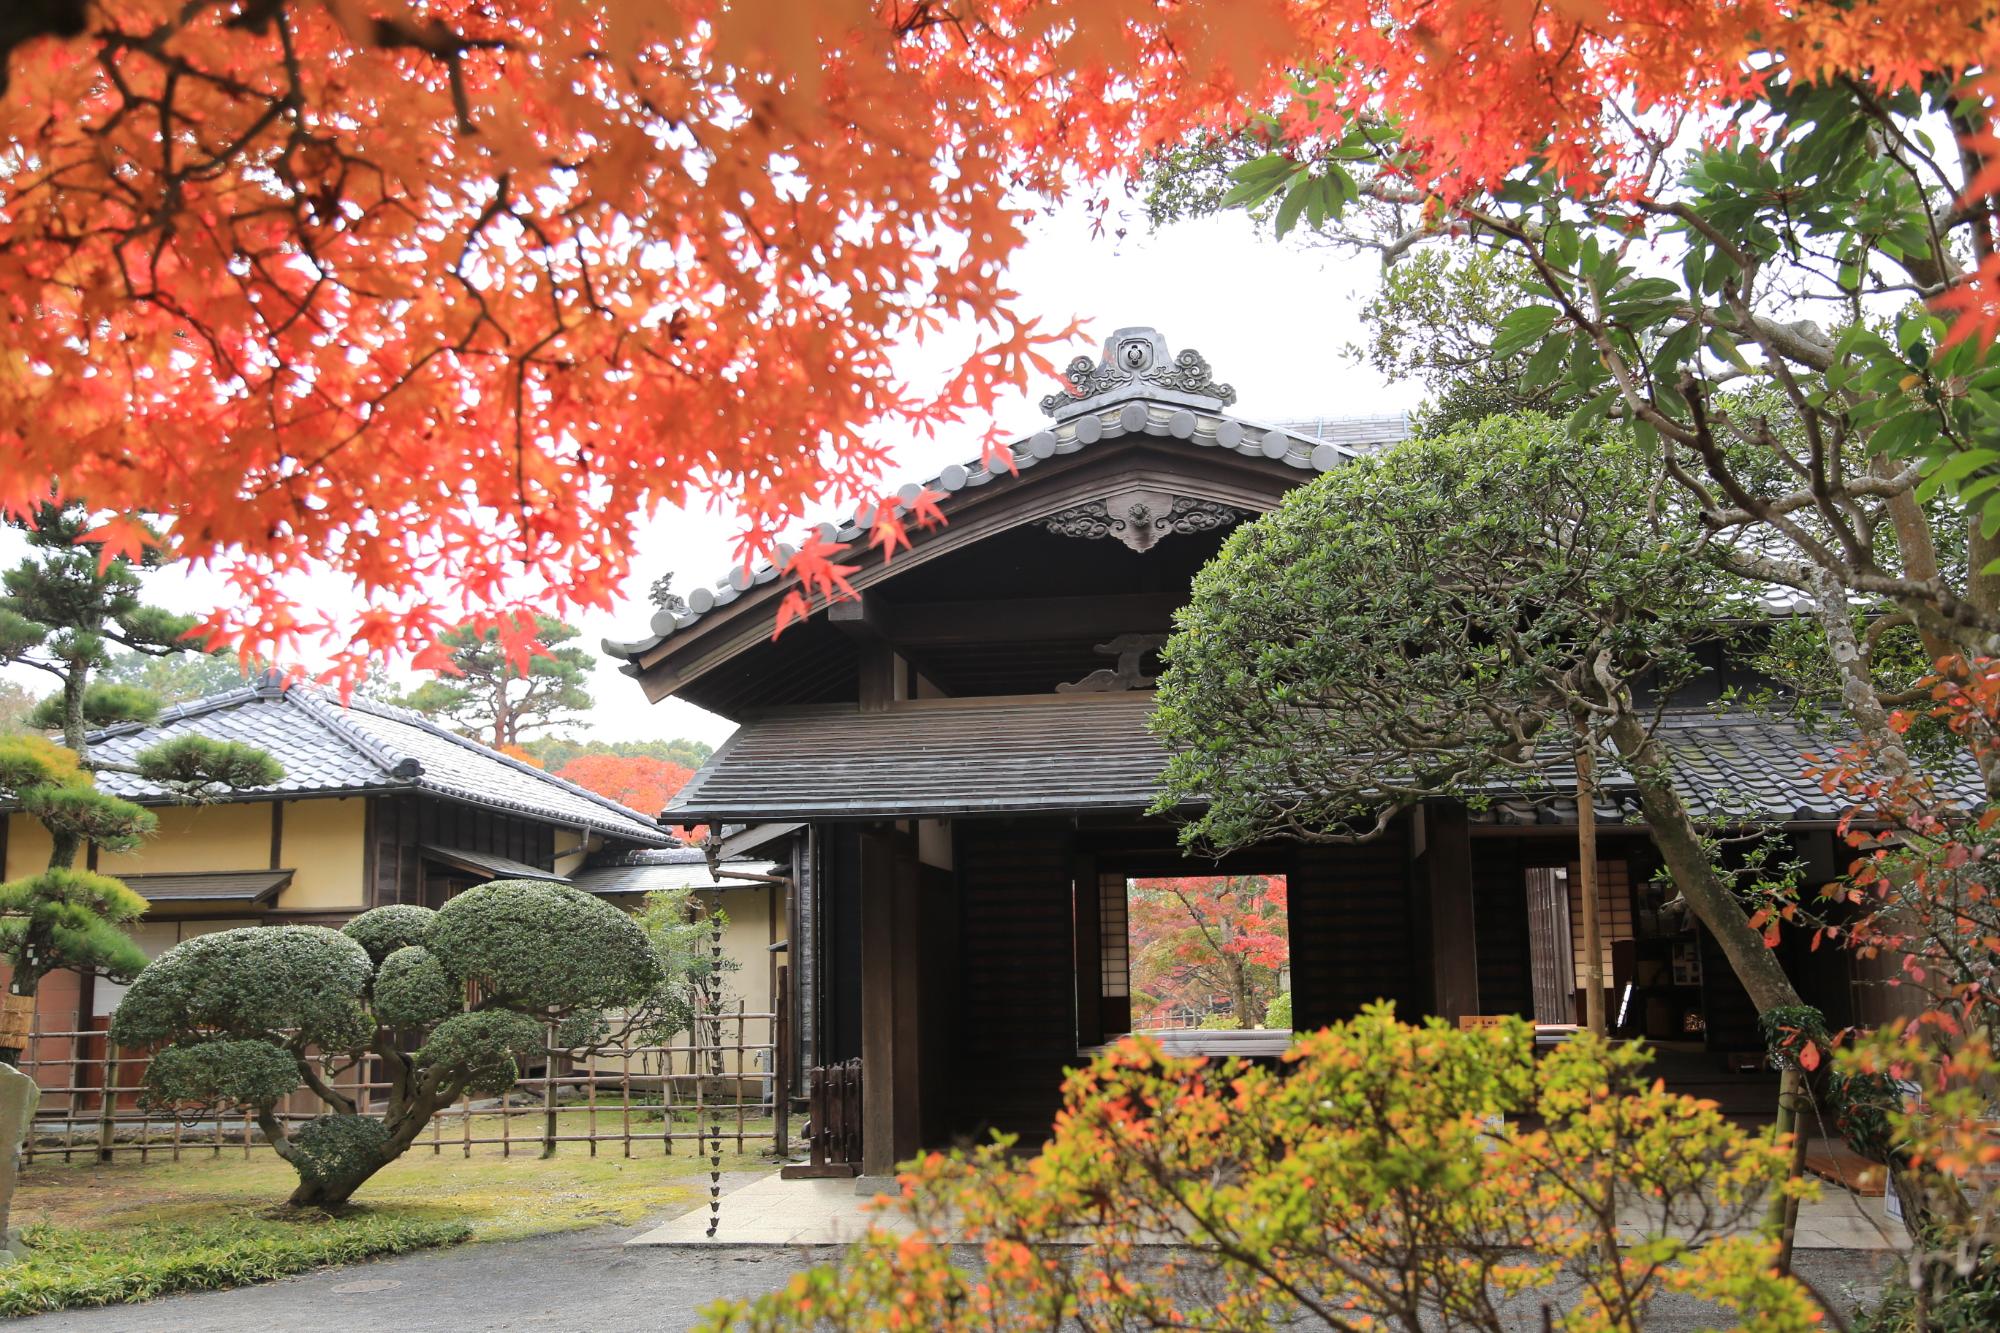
(1449, 619)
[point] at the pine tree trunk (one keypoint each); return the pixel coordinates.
(74, 684)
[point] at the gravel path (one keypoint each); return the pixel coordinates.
(592, 1280)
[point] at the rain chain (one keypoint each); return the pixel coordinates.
(712, 993)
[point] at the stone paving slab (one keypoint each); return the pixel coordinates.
(775, 1211)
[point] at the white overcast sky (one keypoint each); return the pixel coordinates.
(1272, 319)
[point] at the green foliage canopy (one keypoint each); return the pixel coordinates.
(544, 948)
(257, 982)
(250, 1015)
(1410, 625)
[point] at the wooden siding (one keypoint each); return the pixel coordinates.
(399, 825)
(1351, 930)
(1017, 1028)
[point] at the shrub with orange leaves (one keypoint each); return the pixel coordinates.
(1367, 1183)
(1923, 1091)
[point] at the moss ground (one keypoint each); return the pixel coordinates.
(126, 1230)
(500, 1197)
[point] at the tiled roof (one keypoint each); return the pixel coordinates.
(1361, 434)
(1135, 410)
(330, 749)
(668, 868)
(208, 886)
(1093, 752)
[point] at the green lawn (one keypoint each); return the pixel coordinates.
(121, 1231)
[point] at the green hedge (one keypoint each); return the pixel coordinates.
(68, 1267)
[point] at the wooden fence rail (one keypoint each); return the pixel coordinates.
(632, 1096)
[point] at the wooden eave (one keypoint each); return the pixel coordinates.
(972, 515)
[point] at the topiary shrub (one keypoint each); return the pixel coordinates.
(411, 989)
(224, 1072)
(499, 935)
(1278, 1013)
(484, 1047)
(331, 1149)
(306, 980)
(249, 1016)
(192, 764)
(383, 930)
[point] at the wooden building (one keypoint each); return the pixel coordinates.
(959, 762)
(377, 805)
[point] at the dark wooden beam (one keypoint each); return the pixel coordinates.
(948, 624)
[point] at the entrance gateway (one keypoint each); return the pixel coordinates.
(955, 764)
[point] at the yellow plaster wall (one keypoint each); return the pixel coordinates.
(28, 847)
(747, 940)
(571, 849)
(229, 836)
(325, 842)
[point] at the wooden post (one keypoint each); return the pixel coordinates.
(781, 1065)
(1453, 939)
(890, 1046)
(1586, 855)
(549, 1094)
(107, 1111)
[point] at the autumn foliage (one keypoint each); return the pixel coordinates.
(639, 781)
(1923, 894)
(1197, 938)
(1363, 1186)
(443, 295)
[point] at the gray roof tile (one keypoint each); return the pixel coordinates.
(328, 748)
(1093, 752)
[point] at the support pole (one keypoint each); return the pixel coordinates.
(1586, 855)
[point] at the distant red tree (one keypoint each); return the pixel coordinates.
(644, 783)
(1198, 936)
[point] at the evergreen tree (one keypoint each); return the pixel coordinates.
(65, 607)
(492, 698)
(61, 611)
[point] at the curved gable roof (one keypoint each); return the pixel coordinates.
(1170, 404)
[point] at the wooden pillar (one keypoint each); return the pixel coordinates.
(1447, 882)
(891, 1045)
(1593, 899)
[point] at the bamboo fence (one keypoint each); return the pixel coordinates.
(633, 1097)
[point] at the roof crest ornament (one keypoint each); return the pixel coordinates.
(1135, 364)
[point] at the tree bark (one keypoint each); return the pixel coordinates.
(75, 681)
(1674, 833)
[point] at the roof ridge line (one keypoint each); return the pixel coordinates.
(187, 708)
(312, 702)
(405, 715)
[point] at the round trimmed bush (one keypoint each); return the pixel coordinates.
(335, 1147)
(411, 989)
(249, 982)
(227, 1072)
(483, 1048)
(544, 947)
(383, 930)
